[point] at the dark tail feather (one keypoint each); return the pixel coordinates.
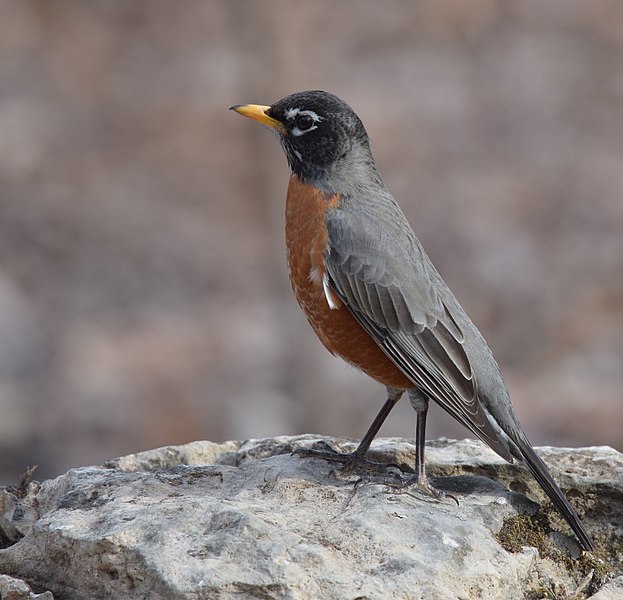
(550, 487)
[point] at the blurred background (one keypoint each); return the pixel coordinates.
(144, 298)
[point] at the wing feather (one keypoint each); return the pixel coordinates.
(390, 287)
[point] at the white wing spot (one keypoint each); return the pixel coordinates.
(332, 300)
(318, 276)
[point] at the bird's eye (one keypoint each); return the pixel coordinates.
(303, 122)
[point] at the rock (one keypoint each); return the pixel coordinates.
(16, 589)
(250, 520)
(613, 590)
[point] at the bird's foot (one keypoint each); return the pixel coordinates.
(420, 484)
(350, 460)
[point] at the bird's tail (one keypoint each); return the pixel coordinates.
(555, 494)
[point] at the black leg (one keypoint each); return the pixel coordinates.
(420, 405)
(357, 458)
(393, 396)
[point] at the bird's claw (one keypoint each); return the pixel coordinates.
(350, 460)
(422, 485)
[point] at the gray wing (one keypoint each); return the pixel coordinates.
(384, 277)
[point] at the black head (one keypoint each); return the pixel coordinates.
(316, 130)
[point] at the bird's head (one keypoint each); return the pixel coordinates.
(315, 128)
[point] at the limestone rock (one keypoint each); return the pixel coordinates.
(613, 590)
(250, 520)
(16, 589)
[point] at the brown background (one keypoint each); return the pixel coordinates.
(144, 298)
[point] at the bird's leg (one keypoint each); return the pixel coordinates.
(393, 395)
(357, 457)
(419, 401)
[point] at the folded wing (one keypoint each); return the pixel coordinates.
(388, 283)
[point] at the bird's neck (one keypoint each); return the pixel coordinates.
(349, 175)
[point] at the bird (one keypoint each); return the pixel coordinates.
(372, 295)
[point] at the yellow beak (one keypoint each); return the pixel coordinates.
(257, 112)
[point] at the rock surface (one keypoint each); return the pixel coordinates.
(249, 520)
(16, 589)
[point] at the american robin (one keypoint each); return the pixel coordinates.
(373, 296)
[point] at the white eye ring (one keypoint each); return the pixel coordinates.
(304, 122)
(295, 112)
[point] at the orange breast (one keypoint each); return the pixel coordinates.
(306, 241)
